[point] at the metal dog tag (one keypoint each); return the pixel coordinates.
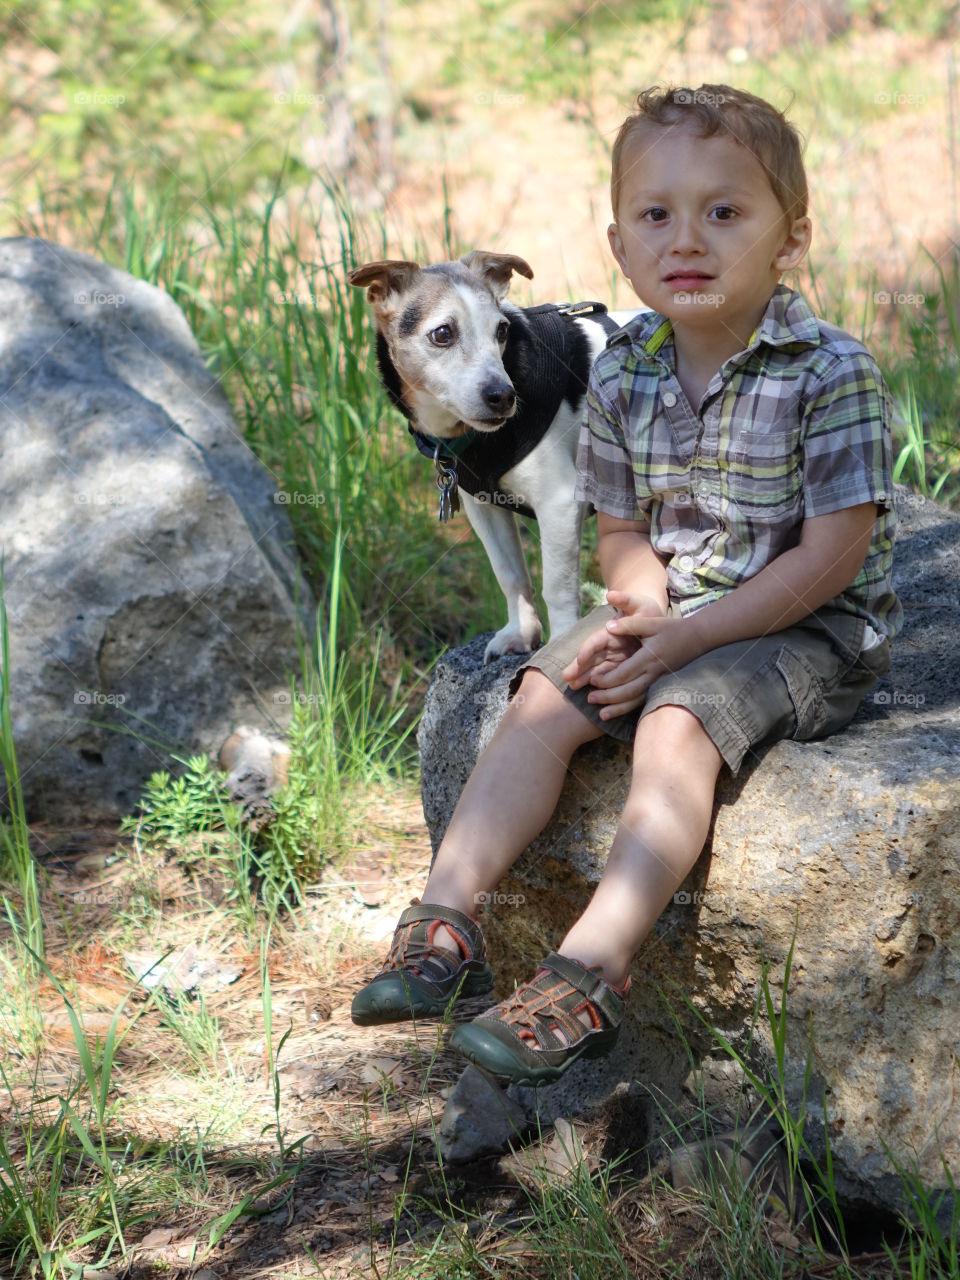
(449, 500)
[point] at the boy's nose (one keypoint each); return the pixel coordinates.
(686, 236)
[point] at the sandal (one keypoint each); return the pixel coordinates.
(517, 1040)
(418, 978)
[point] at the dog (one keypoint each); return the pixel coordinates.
(496, 394)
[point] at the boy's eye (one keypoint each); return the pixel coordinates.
(654, 214)
(725, 212)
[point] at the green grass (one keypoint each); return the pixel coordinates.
(16, 857)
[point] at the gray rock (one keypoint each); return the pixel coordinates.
(479, 1119)
(854, 839)
(149, 571)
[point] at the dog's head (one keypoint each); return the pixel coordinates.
(445, 333)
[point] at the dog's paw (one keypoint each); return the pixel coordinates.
(512, 640)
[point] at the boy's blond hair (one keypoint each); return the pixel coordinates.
(749, 120)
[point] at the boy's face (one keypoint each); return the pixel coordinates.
(699, 233)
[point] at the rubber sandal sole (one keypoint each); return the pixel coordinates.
(490, 1054)
(398, 998)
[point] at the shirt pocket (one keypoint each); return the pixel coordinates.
(764, 474)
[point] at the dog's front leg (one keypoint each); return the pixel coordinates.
(560, 519)
(497, 530)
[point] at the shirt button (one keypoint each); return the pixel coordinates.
(686, 563)
(669, 399)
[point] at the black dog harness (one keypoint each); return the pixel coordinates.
(543, 359)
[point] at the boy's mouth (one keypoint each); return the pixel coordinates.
(686, 275)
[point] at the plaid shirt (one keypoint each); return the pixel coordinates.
(796, 425)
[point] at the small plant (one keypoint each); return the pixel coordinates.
(174, 809)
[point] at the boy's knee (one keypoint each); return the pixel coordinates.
(538, 699)
(674, 736)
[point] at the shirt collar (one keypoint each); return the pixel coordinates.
(787, 319)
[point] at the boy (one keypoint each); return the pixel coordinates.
(737, 450)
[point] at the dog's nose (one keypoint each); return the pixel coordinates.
(499, 396)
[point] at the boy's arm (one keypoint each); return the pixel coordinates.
(629, 563)
(829, 556)
(631, 568)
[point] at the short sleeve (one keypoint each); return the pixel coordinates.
(604, 466)
(847, 444)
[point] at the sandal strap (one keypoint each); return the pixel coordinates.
(541, 1004)
(419, 912)
(590, 985)
(412, 949)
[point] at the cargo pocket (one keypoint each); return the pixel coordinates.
(805, 690)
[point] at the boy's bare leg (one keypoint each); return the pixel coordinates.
(661, 834)
(509, 797)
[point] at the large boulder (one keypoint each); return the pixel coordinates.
(854, 841)
(150, 569)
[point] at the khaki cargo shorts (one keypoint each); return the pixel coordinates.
(803, 682)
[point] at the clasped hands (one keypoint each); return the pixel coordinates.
(623, 659)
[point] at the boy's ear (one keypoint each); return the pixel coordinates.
(616, 246)
(795, 245)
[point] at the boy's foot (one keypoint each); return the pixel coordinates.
(534, 1035)
(421, 973)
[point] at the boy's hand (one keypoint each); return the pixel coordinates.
(665, 645)
(603, 651)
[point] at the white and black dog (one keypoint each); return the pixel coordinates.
(496, 394)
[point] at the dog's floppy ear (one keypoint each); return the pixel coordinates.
(496, 269)
(380, 278)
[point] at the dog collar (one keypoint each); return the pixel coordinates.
(449, 448)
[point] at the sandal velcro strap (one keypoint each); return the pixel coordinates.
(420, 912)
(590, 985)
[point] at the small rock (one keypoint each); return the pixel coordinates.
(552, 1158)
(478, 1119)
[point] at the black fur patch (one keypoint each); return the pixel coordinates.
(390, 378)
(409, 320)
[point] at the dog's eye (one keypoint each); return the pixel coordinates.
(442, 335)
(503, 329)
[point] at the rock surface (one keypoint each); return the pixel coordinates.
(853, 840)
(149, 570)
